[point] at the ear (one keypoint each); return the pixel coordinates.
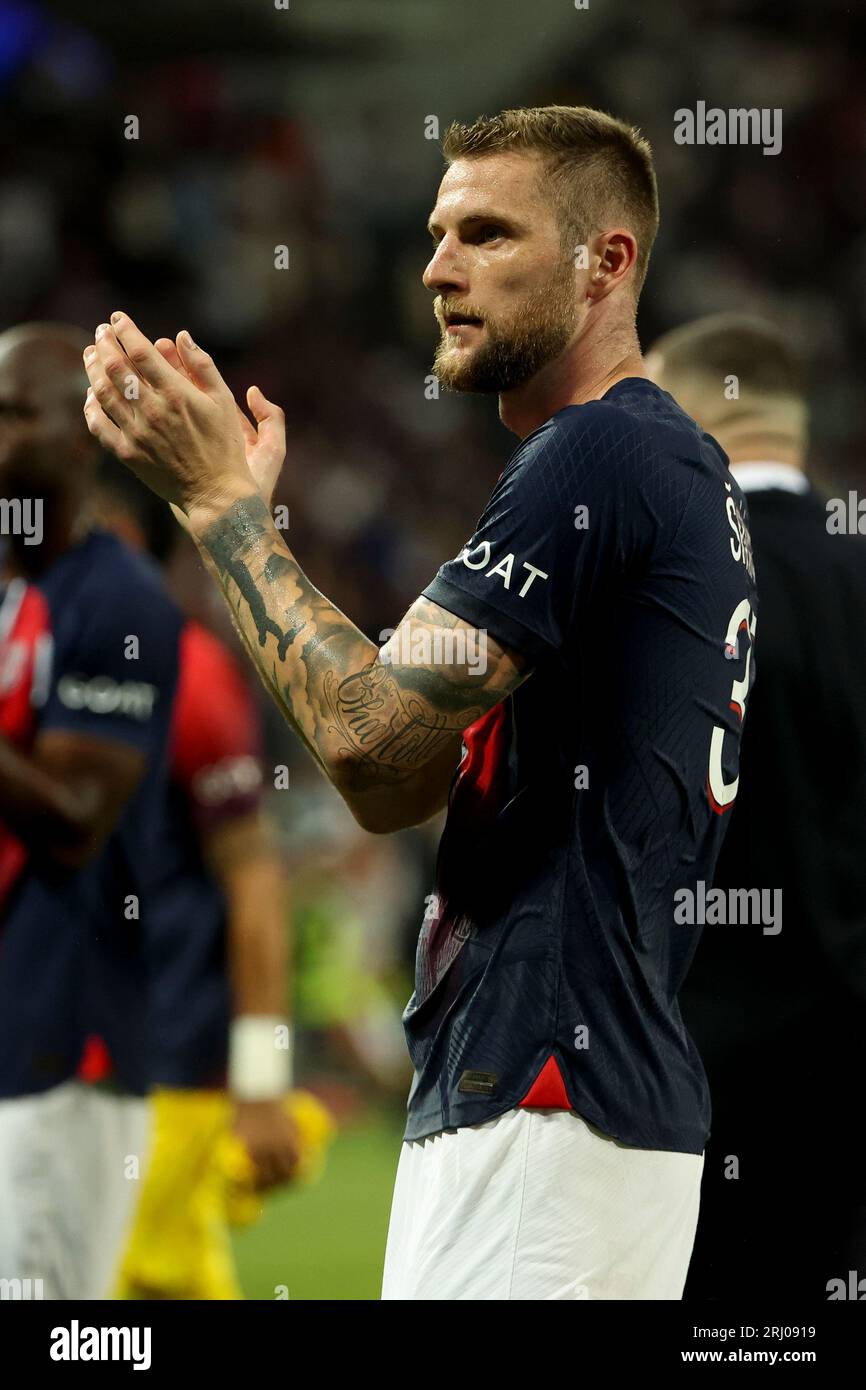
(614, 258)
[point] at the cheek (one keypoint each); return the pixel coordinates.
(519, 295)
(524, 284)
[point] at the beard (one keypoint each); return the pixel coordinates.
(514, 349)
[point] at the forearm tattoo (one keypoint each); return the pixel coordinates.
(371, 721)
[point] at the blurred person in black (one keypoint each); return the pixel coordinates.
(780, 1020)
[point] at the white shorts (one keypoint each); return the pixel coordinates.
(68, 1164)
(538, 1204)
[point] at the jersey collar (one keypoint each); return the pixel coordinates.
(760, 475)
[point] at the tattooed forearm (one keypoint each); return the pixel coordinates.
(392, 730)
(372, 721)
(243, 527)
(270, 678)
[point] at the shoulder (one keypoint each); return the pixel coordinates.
(636, 426)
(108, 583)
(101, 596)
(105, 558)
(807, 524)
(634, 442)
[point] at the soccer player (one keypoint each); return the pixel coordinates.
(217, 954)
(782, 1017)
(572, 685)
(88, 646)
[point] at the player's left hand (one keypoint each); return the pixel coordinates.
(264, 443)
(182, 437)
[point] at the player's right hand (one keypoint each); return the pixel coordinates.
(264, 444)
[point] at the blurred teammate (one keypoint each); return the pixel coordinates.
(88, 654)
(217, 955)
(780, 1020)
(572, 685)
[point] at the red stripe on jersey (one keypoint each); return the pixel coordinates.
(478, 786)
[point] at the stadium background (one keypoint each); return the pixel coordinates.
(305, 128)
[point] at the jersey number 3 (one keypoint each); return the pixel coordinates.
(721, 793)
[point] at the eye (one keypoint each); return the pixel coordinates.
(490, 232)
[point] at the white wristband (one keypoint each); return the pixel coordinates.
(260, 1056)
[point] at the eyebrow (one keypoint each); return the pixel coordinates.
(499, 218)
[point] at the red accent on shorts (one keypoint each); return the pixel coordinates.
(95, 1064)
(547, 1091)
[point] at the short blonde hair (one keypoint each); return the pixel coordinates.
(600, 169)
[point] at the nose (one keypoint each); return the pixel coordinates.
(444, 270)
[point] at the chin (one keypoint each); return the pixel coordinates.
(460, 380)
(455, 370)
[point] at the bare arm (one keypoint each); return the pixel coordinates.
(385, 728)
(247, 866)
(423, 793)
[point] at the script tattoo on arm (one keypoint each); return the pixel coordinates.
(372, 719)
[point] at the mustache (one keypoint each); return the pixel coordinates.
(442, 308)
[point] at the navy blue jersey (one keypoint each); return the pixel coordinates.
(71, 949)
(615, 554)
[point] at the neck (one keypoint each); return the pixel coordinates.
(604, 354)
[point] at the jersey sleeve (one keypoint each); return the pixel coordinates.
(116, 675)
(572, 515)
(216, 735)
